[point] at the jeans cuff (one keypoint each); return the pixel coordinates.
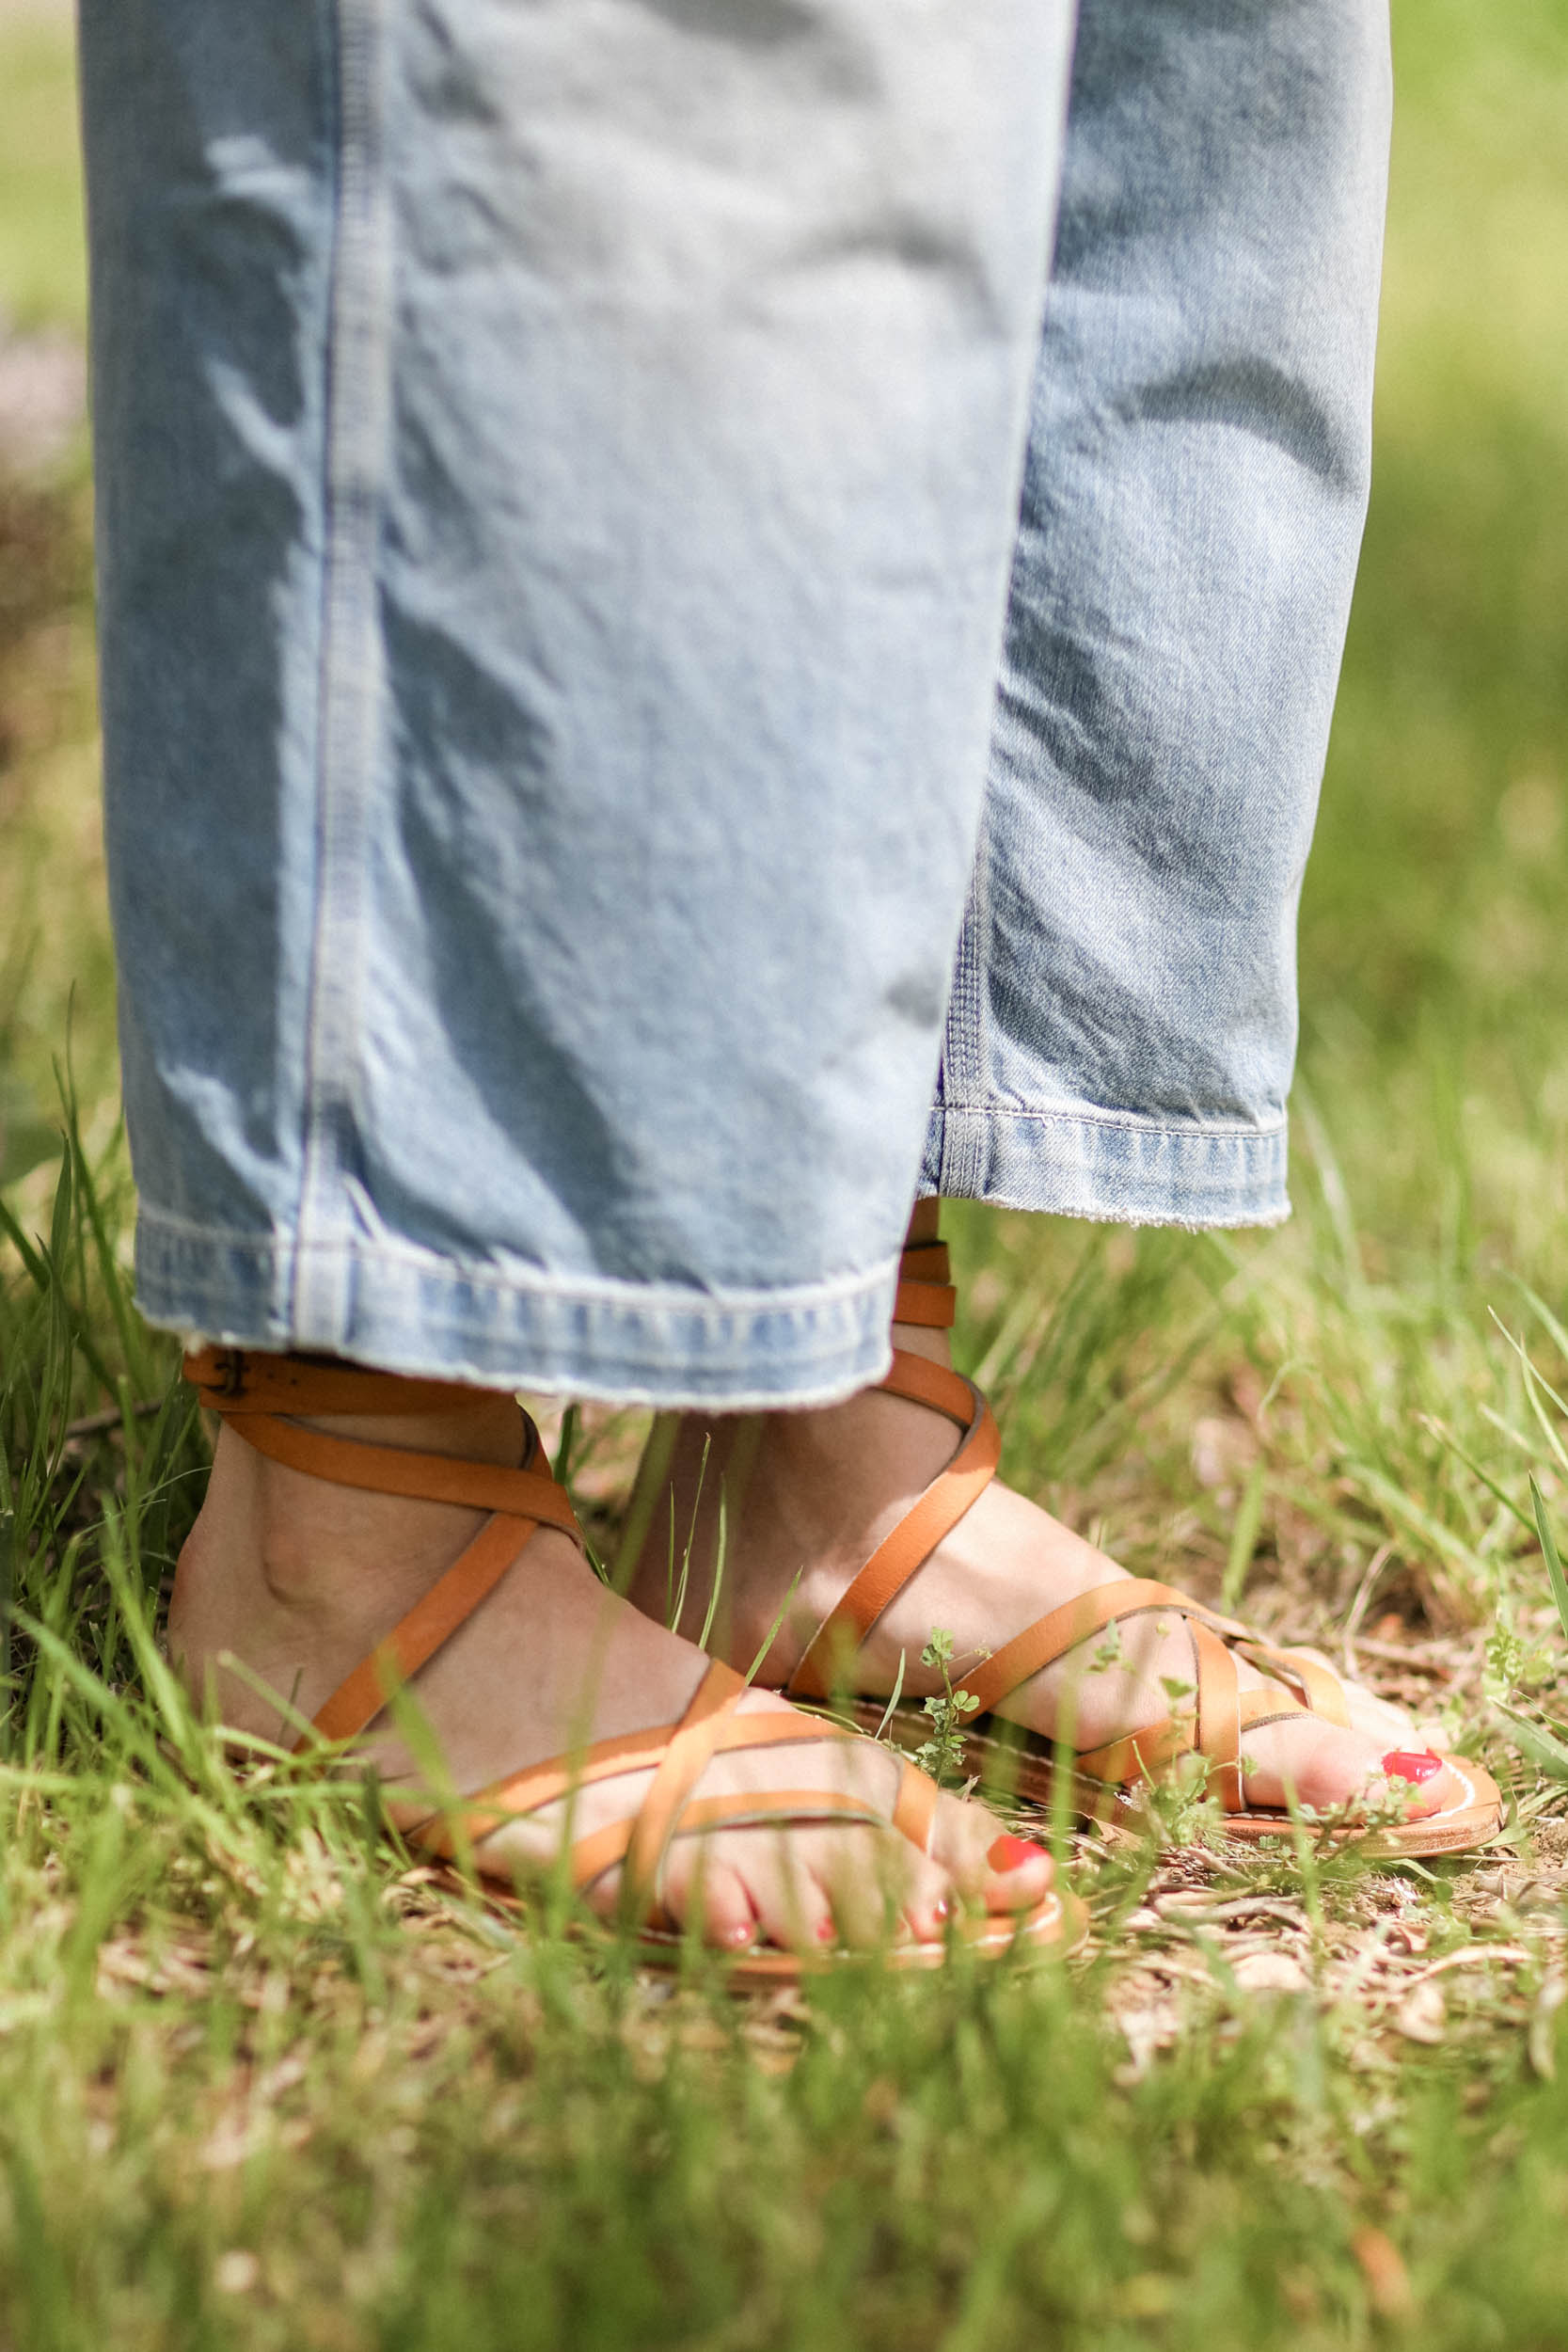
(1116, 1166)
(504, 1325)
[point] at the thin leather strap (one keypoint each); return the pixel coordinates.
(916, 1806)
(926, 1294)
(682, 1765)
(908, 1544)
(927, 1262)
(759, 1806)
(1219, 1716)
(1269, 1707)
(599, 1852)
(539, 1785)
(1319, 1687)
(246, 1388)
(416, 1637)
(237, 1380)
(1214, 1726)
(1139, 1756)
(923, 1303)
(1062, 1630)
(388, 1470)
(514, 1798)
(925, 1383)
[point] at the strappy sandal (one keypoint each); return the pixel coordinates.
(1107, 1778)
(261, 1397)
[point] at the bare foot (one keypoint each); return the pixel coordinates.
(810, 1495)
(300, 1580)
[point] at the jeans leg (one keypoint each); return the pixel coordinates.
(558, 475)
(1122, 1026)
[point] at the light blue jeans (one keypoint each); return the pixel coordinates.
(560, 467)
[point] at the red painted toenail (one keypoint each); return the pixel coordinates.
(1412, 1764)
(944, 1908)
(826, 1933)
(1011, 1854)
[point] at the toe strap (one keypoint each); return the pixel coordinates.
(677, 1755)
(593, 1855)
(905, 1548)
(1319, 1687)
(1220, 1711)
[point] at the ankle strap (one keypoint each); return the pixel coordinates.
(238, 1380)
(926, 1292)
(267, 1400)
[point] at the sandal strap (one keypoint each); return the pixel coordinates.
(1210, 1727)
(682, 1766)
(248, 1389)
(526, 1493)
(677, 1755)
(260, 1394)
(925, 1293)
(1321, 1690)
(236, 1380)
(593, 1855)
(905, 1548)
(670, 1809)
(539, 1785)
(1061, 1629)
(414, 1639)
(1217, 1728)
(916, 1806)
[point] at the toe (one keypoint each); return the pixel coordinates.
(1422, 1779)
(1316, 1764)
(988, 1866)
(711, 1893)
(929, 1901)
(871, 1880)
(1019, 1874)
(791, 1903)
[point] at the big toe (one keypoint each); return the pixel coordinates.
(1316, 1764)
(990, 1867)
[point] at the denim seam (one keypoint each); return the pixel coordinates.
(1121, 1168)
(831, 1288)
(358, 392)
(1130, 1123)
(964, 1048)
(592, 1337)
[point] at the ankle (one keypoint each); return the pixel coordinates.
(300, 1545)
(921, 1339)
(925, 1222)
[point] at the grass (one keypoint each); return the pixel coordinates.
(41, 273)
(263, 2083)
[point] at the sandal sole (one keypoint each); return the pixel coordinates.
(1058, 1926)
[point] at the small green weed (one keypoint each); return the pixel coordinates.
(942, 1751)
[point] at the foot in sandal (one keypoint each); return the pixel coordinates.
(887, 1511)
(350, 1515)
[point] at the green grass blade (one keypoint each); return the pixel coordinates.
(1244, 1538)
(1548, 1755)
(1549, 1551)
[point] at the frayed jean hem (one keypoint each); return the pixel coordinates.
(1109, 1164)
(507, 1325)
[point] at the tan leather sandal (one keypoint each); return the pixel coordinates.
(261, 1397)
(1109, 1777)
